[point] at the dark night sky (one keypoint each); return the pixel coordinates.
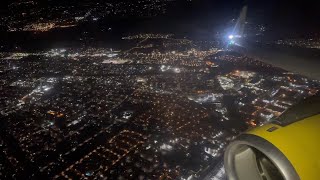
(200, 18)
(291, 14)
(296, 15)
(281, 15)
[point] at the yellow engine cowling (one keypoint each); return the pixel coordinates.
(287, 151)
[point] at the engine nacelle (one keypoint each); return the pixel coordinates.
(286, 149)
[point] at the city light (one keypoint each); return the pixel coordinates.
(125, 90)
(139, 105)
